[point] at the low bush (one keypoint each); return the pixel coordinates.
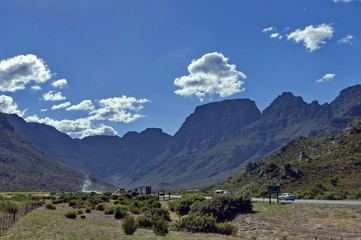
(70, 214)
(145, 222)
(82, 216)
(222, 207)
(226, 228)
(109, 209)
(183, 205)
(120, 213)
(129, 225)
(80, 211)
(88, 210)
(205, 224)
(50, 206)
(161, 227)
(11, 208)
(100, 207)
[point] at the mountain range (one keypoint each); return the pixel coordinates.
(320, 167)
(24, 168)
(216, 141)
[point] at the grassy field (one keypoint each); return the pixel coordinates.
(276, 221)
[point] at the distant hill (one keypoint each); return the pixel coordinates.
(323, 167)
(24, 168)
(214, 142)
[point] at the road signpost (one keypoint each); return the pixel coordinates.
(273, 189)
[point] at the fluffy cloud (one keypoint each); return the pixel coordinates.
(60, 83)
(270, 29)
(36, 88)
(326, 78)
(53, 96)
(346, 39)
(312, 37)
(62, 105)
(210, 74)
(7, 105)
(100, 129)
(118, 109)
(85, 105)
(81, 127)
(18, 71)
(276, 35)
(346, 0)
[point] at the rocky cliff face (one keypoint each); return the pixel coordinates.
(210, 123)
(214, 142)
(24, 168)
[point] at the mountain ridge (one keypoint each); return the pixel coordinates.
(214, 142)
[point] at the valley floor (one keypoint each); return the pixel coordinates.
(277, 221)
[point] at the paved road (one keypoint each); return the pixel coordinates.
(330, 202)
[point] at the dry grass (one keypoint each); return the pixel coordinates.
(291, 221)
(50, 225)
(300, 221)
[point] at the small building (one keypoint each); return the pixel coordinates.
(144, 190)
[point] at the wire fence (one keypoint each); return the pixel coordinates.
(7, 219)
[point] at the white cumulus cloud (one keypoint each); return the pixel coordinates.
(269, 29)
(85, 105)
(36, 88)
(346, 0)
(346, 39)
(326, 77)
(119, 109)
(81, 127)
(7, 105)
(61, 105)
(18, 71)
(210, 74)
(59, 83)
(276, 35)
(312, 37)
(53, 96)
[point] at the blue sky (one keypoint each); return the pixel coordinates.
(107, 67)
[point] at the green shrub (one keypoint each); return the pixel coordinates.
(109, 209)
(50, 206)
(129, 225)
(11, 208)
(82, 216)
(183, 205)
(120, 213)
(161, 227)
(100, 207)
(226, 228)
(70, 214)
(158, 213)
(222, 207)
(88, 210)
(80, 211)
(145, 221)
(206, 224)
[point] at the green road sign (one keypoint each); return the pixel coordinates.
(274, 189)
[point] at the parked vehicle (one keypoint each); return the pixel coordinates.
(221, 192)
(287, 197)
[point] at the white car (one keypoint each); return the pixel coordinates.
(287, 197)
(221, 192)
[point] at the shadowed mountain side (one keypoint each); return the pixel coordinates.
(322, 168)
(213, 143)
(287, 118)
(24, 168)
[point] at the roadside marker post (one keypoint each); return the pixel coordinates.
(273, 189)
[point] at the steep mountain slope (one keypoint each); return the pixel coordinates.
(285, 119)
(23, 168)
(325, 167)
(104, 157)
(214, 142)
